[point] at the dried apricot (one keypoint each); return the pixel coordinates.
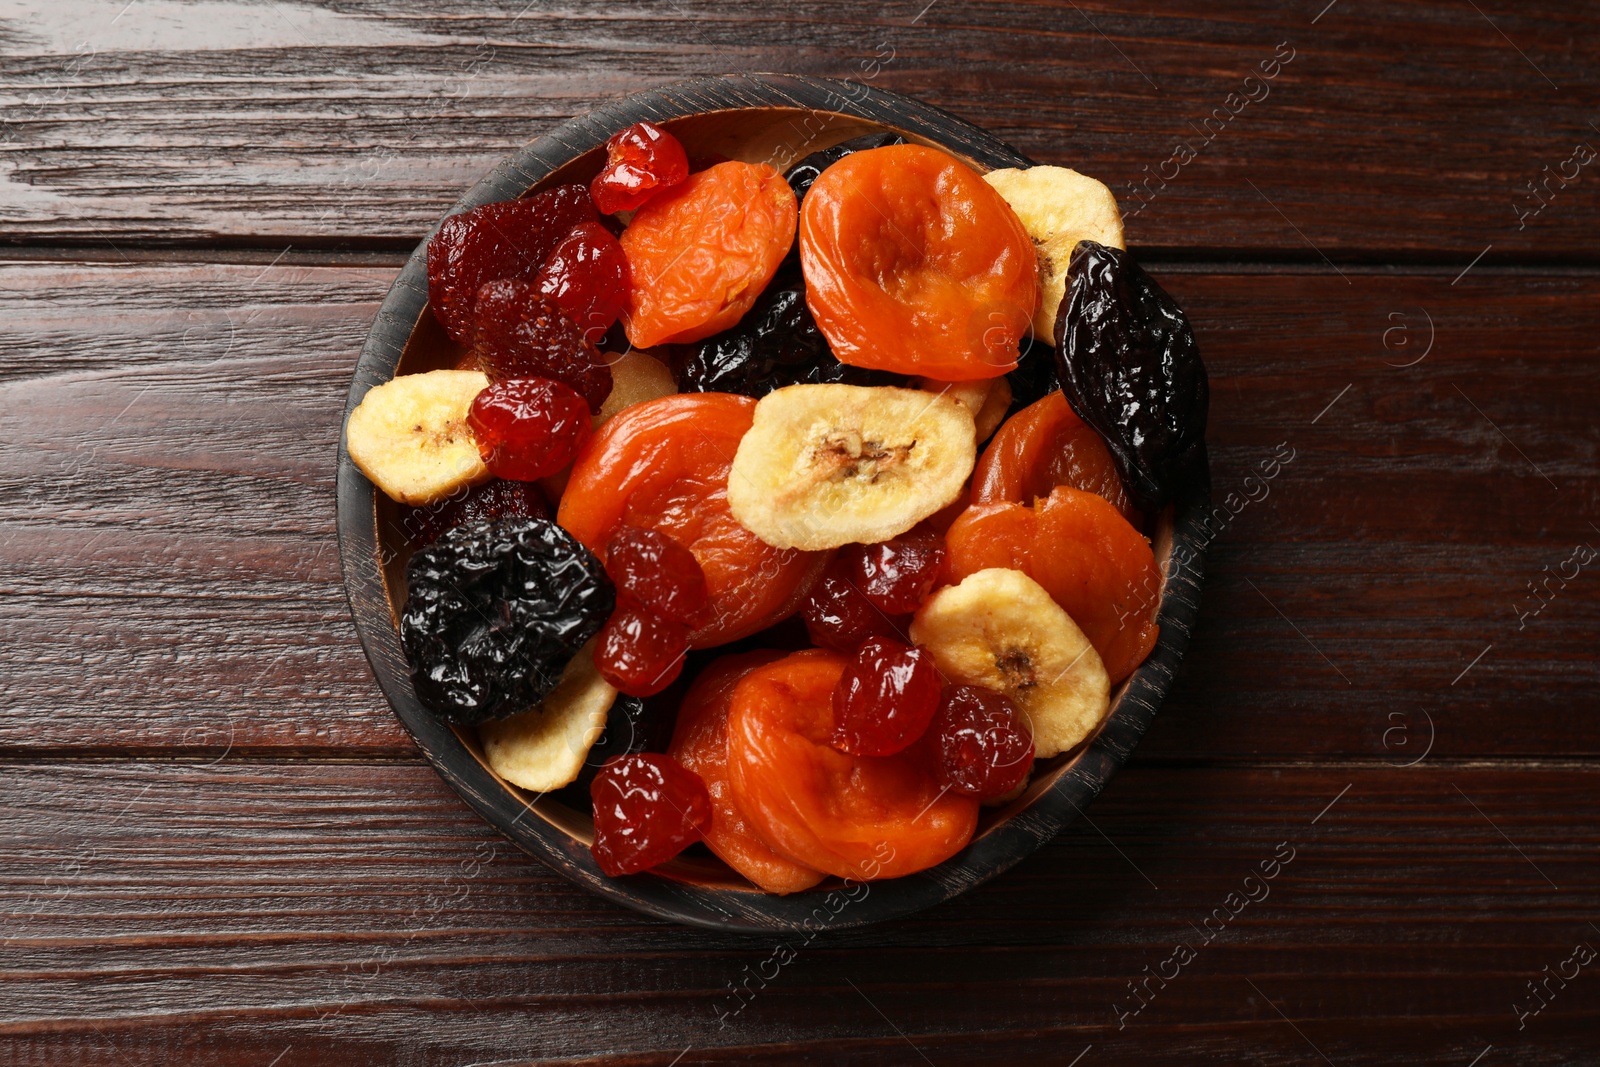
(1086, 555)
(700, 743)
(663, 465)
(860, 817)
(701, 252)
(913, 264)
(1042, 446)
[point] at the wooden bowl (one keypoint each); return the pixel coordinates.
(776, 119)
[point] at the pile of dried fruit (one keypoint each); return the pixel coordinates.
(822, 436)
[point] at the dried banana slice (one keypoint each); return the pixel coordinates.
(987, 398)
(410, 435)
(636, 376)
(1000, 629)
(828, 465)
(543, 749)
(1058, 207)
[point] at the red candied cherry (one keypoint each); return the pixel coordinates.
(640, 161)
(897, 575)
(984, 748)
(638, 651)
(587, 278)
(527, 428)
(837, 616)
(885, 698)
(657, 572)
(647, 809)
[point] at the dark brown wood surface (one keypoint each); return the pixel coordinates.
(219, 846)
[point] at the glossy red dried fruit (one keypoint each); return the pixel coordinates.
(647, 809)
(587, 278)
(837, 616)
(640, 161)
(984, 749)
(657, 572)
(638, 651)
(520, 333)
(497, 498)
(885, 698)
(506, 240)
(897, 575)
(527, 428)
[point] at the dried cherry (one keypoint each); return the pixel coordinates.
(898, 574)
(658, 572)
(505, 240)
(647, 809)
(640, 652)
(641, 161)
(520, 333)
(1130, 367)
(775, 345)
(885, 698)
(984, 747)
(839, 617)
(586, 276)
(494, 611)
(528, 428)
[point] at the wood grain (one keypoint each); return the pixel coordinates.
(1394, 131)
(326, 911)
(167, 434)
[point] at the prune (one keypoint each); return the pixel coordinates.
(775, 345)
(528, 428)
(803, 173)
(885, 698)
(493, 612)
(647, 809)
(506, 240)
(497, 498)
(1130, 368)
(640, 161)
(519, 333)
(587, 278)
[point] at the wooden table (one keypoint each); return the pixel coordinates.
(218, 846)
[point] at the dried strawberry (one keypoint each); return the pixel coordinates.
(506, 240)
(521, 334)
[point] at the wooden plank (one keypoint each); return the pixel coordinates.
(176, 912)
(170, 578)
(357, 125)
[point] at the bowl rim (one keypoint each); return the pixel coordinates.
(990, 854)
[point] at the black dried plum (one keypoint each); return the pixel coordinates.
(1035, 375)
(1130, 368)
(776, 344)
(494, 610)
(803, 173)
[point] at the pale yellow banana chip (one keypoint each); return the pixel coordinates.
(543, 749)
(828, 465)
(410, 435)
(999, 628)
(1058, 207)
(987, 398)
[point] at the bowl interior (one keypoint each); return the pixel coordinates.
(560, 833)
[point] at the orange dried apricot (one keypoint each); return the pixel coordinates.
(915, 265)
(700, 252)
(1086, 556)
(1042, 446)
